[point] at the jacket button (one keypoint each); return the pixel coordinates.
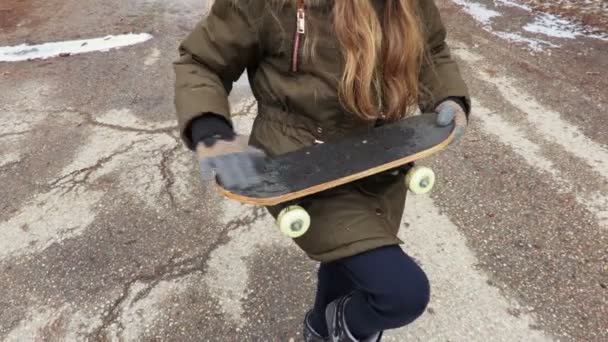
(379, 212)
(319, 130)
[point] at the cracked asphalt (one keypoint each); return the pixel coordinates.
(106, 233)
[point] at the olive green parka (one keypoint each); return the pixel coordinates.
(298, 104)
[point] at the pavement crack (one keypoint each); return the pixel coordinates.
(167, 174)
(246, 110)
(246, 221)
(89, 119)
(9, 165)
(112, 313)
(12, 134)
(170, 271)
(167, 272)
(71, 180)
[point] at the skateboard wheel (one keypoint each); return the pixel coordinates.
(420, 179)
(294, 221)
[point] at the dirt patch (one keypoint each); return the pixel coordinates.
(12, 13)
(591, 13)
(18, 14)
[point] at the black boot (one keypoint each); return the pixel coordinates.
(310, 335)
(336, 323)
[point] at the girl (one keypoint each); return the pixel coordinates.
(320, 69)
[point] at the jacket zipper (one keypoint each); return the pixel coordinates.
(300, 31)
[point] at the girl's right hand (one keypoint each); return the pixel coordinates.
(236, 164)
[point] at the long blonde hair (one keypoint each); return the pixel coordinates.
(382, 60)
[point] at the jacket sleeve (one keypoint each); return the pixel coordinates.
(212, 58)
(440, 76)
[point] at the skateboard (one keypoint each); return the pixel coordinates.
(290, 177)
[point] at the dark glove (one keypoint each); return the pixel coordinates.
(209, 128)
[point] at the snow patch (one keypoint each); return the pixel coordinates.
(478, 11)
(545, 24)
(553, 26)
(533, 44)
(26, 52)
(484, 15)
(511, 3)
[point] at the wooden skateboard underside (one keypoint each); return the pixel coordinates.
(321, 167)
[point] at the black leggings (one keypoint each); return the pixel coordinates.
(388, 290)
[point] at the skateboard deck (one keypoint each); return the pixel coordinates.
(317, 168)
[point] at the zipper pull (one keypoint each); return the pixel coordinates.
(300, 30)
(301, 21)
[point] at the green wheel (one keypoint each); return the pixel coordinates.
(420, 179)
(293, 221)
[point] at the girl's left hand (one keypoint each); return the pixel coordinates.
(450, 111)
